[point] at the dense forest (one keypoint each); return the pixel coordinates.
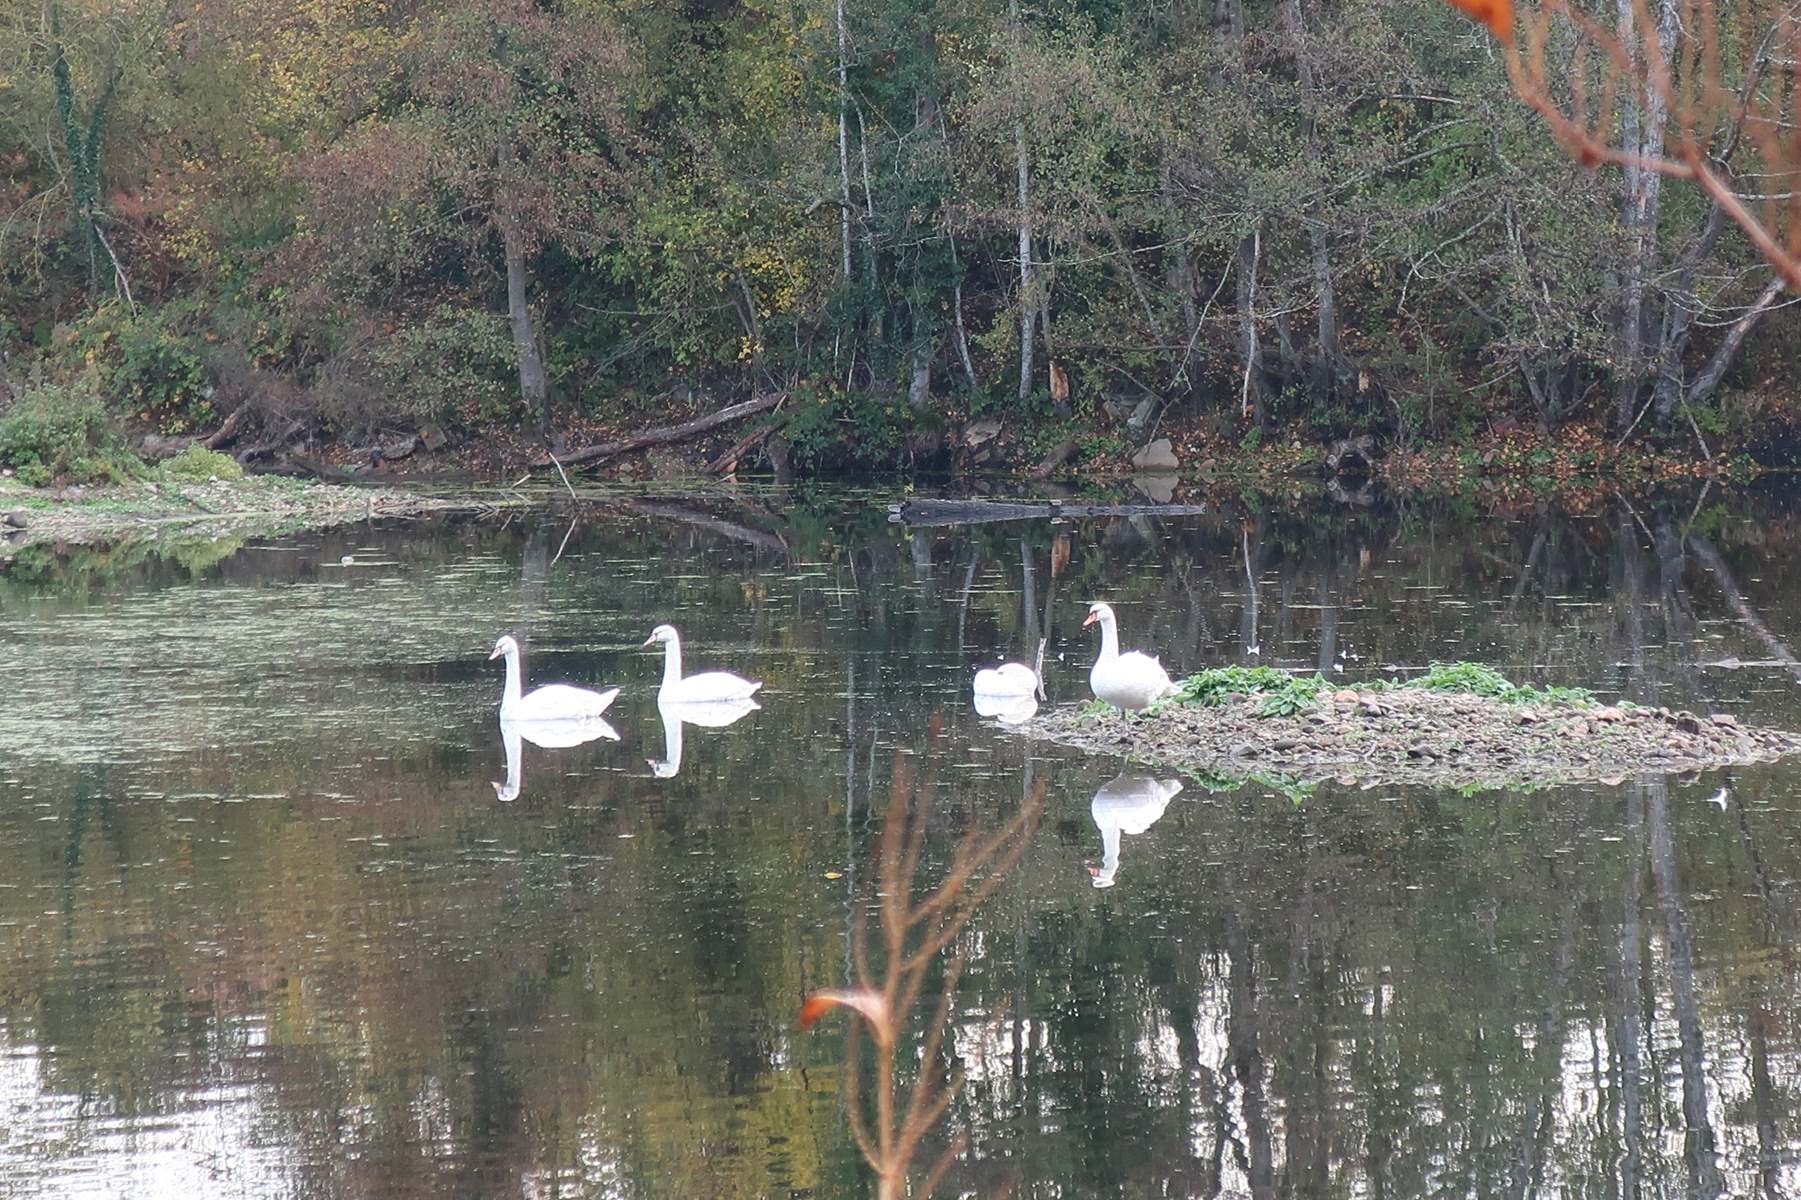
(518, 221)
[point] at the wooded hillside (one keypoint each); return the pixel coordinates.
(352, 217)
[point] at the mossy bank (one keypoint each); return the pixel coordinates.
(145, 508)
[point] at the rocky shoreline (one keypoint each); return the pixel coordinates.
(1390, 735)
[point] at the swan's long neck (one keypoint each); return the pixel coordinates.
(510, 696)
(1109, 639)
(510, 740)
(672, 742)
(1109, 852)
(672, 661)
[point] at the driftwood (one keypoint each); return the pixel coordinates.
(1057, 457)
(974, 512)
(226, 432)
(668, 433)
(728, 462)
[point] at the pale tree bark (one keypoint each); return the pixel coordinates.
(1028, 300)
(1325, 365)
(843, 143)
(1641, 134)
(534, 381)
(1251, 390)
(919, 389)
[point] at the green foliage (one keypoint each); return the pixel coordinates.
(836, 431)
(1281, 694)
(452, 366)
(1479, 679)
(149, 367)
(197, 464)
(63, 433)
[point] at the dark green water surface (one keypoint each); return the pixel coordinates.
(266, 929)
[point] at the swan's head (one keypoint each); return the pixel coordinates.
(1099, 611)
(1101, 877)
(506, 645)
(662, 768)
(662, 633)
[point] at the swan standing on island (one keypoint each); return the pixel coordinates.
(1010, 692)
(552, 702)
(1133, 681)
(708, 687)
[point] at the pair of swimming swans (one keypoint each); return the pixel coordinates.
(562, 702)
(1133, 681)
(559, 715)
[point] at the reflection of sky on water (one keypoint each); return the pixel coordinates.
(203, 1140)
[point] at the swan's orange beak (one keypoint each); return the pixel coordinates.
(1094, 872)
(494, 655)
(1092, 618)
(651, 640)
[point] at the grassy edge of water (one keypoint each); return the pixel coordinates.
(252, 504)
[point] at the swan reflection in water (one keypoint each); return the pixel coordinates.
(551, 735)
(709, 714)
(1128, 803)
(1008, 710)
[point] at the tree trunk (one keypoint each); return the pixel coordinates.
(1251, 391)
(919, 390)
(534, 383)
(1642, 134)
(843, 145)
(1028, 300)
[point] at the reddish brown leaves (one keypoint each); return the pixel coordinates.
(870, 1003)
(1497, 15)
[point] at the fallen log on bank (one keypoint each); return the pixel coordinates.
(600, 452)
(976, 512)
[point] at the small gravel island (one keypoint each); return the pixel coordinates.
(1458, 725)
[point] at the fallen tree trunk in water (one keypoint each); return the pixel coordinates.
(599, 452)
(975, 512)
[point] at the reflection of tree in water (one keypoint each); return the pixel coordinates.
(1395, 993)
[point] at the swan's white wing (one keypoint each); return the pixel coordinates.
(708, 687)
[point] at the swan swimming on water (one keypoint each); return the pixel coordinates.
(552, 702)
(708, 687)
(1132, 681)
(1010, 692)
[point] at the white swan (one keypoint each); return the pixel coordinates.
(1010, 692)
(1013, 679)
(1131, 681)
(1128, 803)
(553, 735)
(708, 687)
(552, 702)
(713, 714)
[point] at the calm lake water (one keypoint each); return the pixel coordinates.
(269, 931)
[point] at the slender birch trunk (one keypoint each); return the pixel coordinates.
(1028, 301)
(843, 143)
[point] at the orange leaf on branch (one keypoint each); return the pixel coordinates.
(870, 1004)
(1497, 15)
